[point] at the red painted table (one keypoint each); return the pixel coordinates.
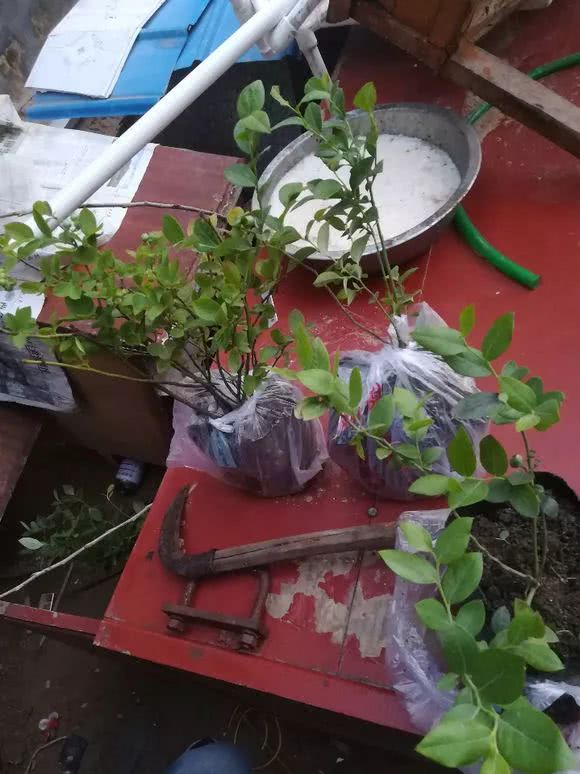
(326, 616)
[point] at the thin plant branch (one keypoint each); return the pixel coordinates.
(71, 557)
(126, 206)
(505, 567)
(36, 753)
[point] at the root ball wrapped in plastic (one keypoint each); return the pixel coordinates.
(260, 446)
(426, 376)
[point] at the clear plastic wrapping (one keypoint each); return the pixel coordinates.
(414, 661)
(424, 374)
(260, 446)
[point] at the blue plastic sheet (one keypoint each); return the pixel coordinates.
(179, 34)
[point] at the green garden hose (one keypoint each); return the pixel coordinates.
(463, 224)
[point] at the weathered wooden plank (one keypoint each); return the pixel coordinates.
(371, 15)
(515, 94)
(487, 14)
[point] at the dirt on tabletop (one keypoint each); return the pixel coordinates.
(508, 536)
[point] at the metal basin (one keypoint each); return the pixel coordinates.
(436, 125)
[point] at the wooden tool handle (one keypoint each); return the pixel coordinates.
(332, 541)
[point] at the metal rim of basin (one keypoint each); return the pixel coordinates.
(426, 119)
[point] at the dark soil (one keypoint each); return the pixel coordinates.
(508, 536)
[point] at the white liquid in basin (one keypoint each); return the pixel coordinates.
(417, 179)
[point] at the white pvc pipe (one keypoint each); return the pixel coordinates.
(308, 44)
(166, 110)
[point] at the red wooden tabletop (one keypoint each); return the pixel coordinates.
(326, 616)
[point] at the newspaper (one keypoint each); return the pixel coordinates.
(36, 161)
(43, 386)
(86, 51)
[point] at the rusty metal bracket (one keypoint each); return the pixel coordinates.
(251, 630)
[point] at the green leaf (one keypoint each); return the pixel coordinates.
(241, 175)
(463, 577)
(358, 247)
(258, 121)
(382, 453)
(499, 336)
(38, 213)
(366, 97)
(519, 395)
(325, 278)
(520, 477)
(527, 422)
(498, 675)
(320, 356)
(81, 307)
(317, 380)
(439, 339)
(410, 567)
(20, 232)
(493, 456)
(430, 455)
(452, 542)
(495, 764)
(381, 414)
(289, 193)
(251, 98)
(471, 616)
(205, 235)
(325, 189)
(303, 345)
(234, 360)
(469, 363)
(405, 401)
(549, 413)
(323, 237)
(87, 222)
(525, 500)
(172, 230)
(448, 682)
(539, 655)
(478, 405)
(206, 309)
(355, 388)
(467, 320)
(31, 544)
(530, 741)
(275, 94)
(310, 408)
(499, 491)
(417, 536)
(432, 485)
(313, 118)
(525, 624)
(459, 647)
(468, 492)
(460, 453)
(500, 620)
(315, 94)
(456, 743)
(432, 614)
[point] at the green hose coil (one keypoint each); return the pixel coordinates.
(464, 225)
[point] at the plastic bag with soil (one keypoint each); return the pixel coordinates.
(421, 372)
(415, 664)
(260, 446)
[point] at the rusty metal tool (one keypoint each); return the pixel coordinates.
(248, 557)
(221, 560)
